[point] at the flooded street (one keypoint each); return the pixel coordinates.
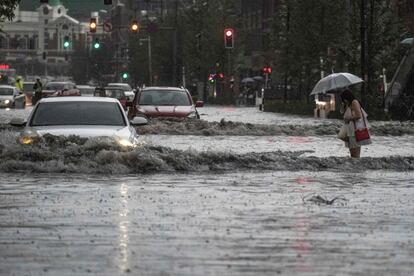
(267, 194)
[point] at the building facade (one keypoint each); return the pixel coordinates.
(33, 42)
(256, 19)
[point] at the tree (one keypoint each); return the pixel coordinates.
(7, 9)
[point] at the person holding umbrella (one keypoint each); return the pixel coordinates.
(355, 130)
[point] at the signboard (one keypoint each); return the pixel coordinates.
(107, 26)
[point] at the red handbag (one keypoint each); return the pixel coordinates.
(362, 134)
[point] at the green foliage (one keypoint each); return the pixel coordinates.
(7, 9)
(324, 35)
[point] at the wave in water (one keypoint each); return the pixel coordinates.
(204, 128)
(76, 155)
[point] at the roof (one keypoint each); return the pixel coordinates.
(163, 88)
(78, 99)
(60, 82)
(79, 9)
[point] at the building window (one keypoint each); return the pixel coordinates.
(46, 21)
(22, 43)
(65, 27)
(3, 42)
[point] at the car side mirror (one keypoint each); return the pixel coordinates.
(18, 122)
(139, 121)
(199, 104)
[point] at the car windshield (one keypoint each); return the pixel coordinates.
(6, 91)
(115, 93)
(164, 97)
(55, 86)
(78, 113)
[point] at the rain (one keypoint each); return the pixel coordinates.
(249, 183)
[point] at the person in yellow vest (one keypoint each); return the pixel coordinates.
(19, 83)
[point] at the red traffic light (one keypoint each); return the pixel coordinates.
(229, 38)
(267, 70)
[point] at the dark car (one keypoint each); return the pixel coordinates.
(60, 89)
(112, 92)
(153, 102)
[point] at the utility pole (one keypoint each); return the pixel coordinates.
(175, 44)
(363, 55)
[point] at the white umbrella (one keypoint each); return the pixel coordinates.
(258, 78)
(246, 80)
(335, 81)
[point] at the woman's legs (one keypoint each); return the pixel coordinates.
(355, 152)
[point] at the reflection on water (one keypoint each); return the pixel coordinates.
(243, 223)
(123, 228)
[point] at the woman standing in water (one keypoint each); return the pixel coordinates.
(354, 118)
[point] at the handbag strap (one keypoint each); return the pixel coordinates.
(363, 117)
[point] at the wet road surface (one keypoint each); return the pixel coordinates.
(231, 203)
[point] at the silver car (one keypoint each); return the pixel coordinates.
(11, 97)
(81, 116)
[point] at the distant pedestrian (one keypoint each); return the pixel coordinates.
(355, 130)
(19, 84)
(37, 88)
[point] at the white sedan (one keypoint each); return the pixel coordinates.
(81, 116)
(11, 97)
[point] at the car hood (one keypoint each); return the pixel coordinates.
(167, 110)
(3, 98)
(122, 132)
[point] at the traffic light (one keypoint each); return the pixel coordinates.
(134, 26)
(229, 38)
(66, 42)
(96, 44)
(267, 70)
(92, 25)
(211, 78)
(125, 75)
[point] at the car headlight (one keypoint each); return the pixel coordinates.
(125, 143)
(7, 101)
(26, 140)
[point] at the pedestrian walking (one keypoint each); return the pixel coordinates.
(355, 131)
(37, 88)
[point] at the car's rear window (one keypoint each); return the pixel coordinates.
(6, 91)
(87, 91)
(54, 86)
(164, 97)
(115, 93)
(78, 113)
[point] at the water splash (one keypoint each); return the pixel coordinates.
(77, 155)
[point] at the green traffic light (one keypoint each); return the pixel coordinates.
(125, 75)
(66, 44)
(96, 45)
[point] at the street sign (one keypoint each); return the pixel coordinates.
(107, 26)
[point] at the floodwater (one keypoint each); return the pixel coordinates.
(242, 198)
